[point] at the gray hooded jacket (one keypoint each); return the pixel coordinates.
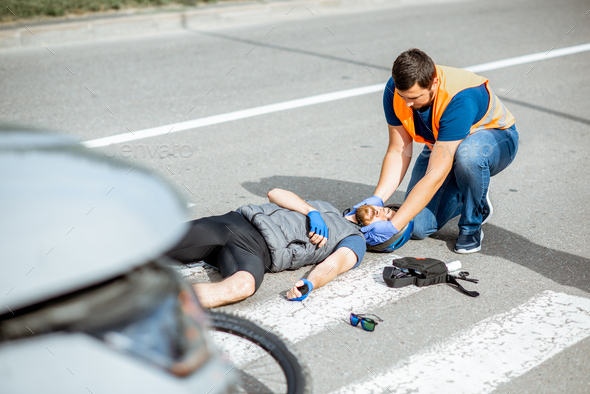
(286, 233)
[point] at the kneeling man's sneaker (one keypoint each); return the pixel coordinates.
(488, 210)
(469, 243)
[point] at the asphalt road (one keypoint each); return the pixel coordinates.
(536, 242)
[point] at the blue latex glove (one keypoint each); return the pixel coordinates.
(317, 224)
(379, 232)
(375, 200)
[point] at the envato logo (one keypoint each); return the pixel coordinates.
(142, 151)
(464, 151)
(475, 150)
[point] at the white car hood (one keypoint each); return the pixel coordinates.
(71, 217)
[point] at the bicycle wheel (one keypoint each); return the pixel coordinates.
(263, 361)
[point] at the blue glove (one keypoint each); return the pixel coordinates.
(375, 200)
(316, 224)
(379, 232)
(305, 290)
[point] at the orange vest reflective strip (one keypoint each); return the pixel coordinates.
(451, 82)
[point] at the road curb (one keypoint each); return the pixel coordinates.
(205, 17)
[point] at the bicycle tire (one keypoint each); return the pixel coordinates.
(297, 378)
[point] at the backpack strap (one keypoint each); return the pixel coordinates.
(463, 276)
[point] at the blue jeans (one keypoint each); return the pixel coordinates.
(480, 156)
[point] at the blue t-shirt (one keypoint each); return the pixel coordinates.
(357, 244)
(465, 109)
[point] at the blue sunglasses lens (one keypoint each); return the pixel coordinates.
(368, 324)
(354, 320)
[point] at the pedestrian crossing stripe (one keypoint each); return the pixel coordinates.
(360, 289)
(491, 352)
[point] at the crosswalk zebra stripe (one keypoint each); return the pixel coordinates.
(494, 351)
(358, 290)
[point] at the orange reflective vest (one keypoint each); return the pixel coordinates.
(452, 81)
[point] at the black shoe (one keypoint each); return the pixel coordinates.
(488, 210)
(469, 243)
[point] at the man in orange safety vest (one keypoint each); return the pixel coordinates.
(469, 135)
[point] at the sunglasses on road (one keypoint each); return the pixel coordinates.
(367, 323)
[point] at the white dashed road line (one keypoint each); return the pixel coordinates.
(494, 351)
(228, 117)
(322, 98)
(534, 57)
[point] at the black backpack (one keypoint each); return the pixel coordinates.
(423, 272)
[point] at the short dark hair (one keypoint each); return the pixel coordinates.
(411, 67)
(364, 214)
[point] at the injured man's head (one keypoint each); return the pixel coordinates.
(367, 214)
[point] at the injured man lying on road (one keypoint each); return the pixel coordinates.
(287, 233)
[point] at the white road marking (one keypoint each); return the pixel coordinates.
(198, 272)
(359, 290)
(239, 351)
(492, 352)
(534, 57)
(243, 114)
(322, 98)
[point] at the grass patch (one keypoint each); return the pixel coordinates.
(24, 9)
